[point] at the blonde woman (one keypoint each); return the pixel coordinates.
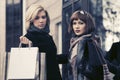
(37, 27)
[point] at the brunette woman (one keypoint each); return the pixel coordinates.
(85, 60)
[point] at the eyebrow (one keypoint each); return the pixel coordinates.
(37, 17)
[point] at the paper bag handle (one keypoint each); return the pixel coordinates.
(29, 44)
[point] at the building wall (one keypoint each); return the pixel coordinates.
(2, 25)
(2, 37)
(111, 22)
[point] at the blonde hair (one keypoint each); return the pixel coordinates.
(32, 12)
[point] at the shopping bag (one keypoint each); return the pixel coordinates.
(22, 63)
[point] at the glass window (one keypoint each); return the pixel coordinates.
(13, 23)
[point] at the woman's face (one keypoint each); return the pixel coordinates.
(40, 20)
(78, 27)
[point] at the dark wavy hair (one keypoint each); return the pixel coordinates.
(86, 18)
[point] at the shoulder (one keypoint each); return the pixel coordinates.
(116, 43)
(115, 46)
(49, 36)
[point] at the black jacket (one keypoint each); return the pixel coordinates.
(90, 65)
(113, 57)
(45, 43)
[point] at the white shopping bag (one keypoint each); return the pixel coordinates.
(22, 63)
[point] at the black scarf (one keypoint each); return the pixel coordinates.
(37, 35)
(33, 28)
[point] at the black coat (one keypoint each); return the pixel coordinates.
(90, 65)
(91, 58)
(113, 57)
(45, 43)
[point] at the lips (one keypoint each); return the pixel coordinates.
(41, 25)
(77, 31)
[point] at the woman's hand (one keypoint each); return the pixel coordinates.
(24, 40)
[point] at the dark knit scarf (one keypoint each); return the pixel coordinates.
(33, 28)
(37, 35)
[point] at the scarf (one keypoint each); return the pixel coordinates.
(33, 28)
(75, 40)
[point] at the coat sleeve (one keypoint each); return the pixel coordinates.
(62, 58)
(111, 57)
(111, 54)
